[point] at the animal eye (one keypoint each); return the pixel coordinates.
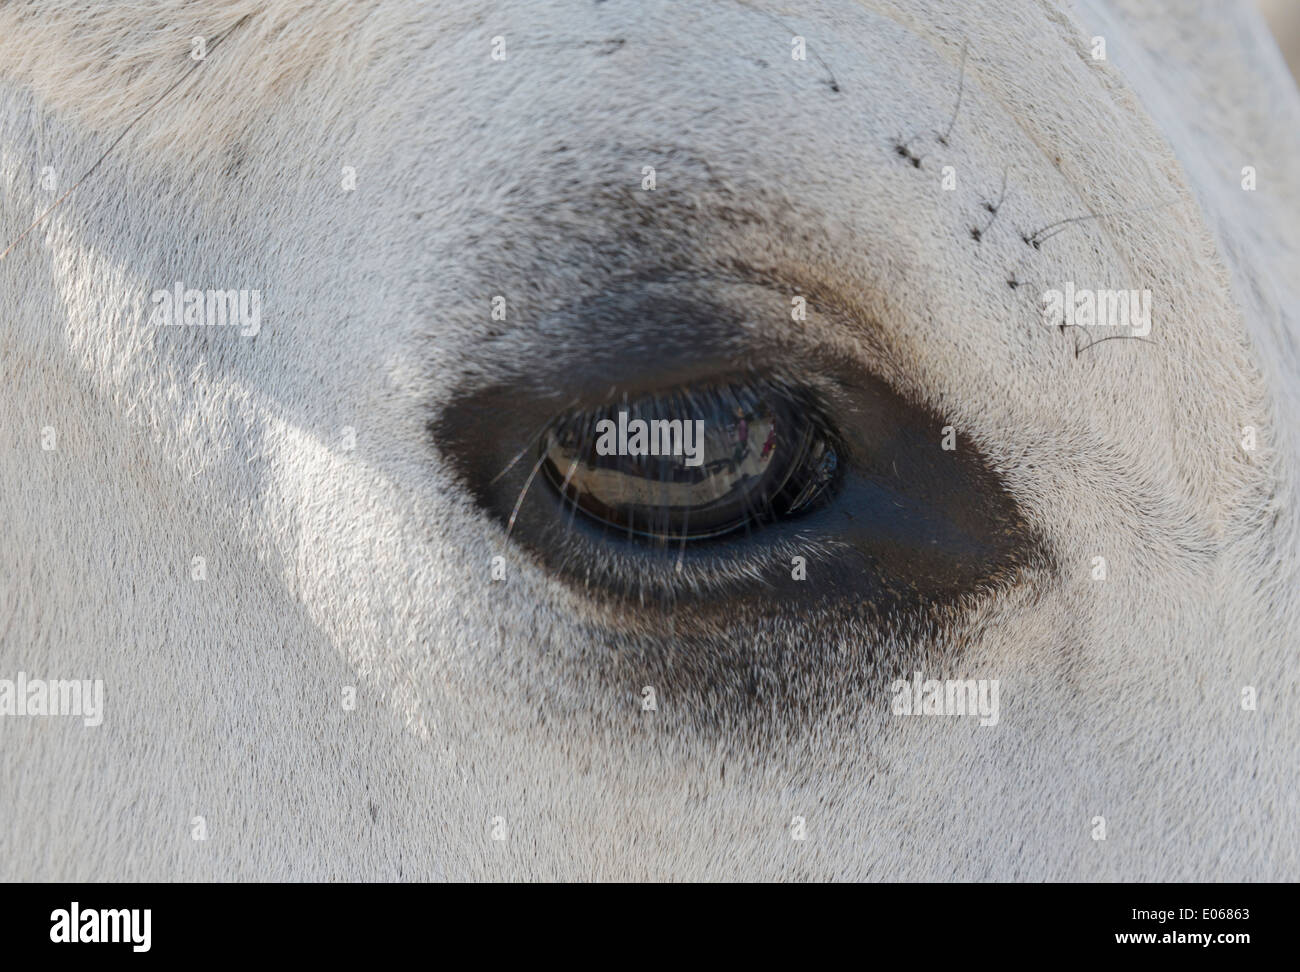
(693, 463)
(717, 478)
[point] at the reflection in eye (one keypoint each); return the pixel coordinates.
(692, 463)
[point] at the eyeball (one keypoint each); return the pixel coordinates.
(691, 463)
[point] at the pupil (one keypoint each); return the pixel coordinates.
(686, 465)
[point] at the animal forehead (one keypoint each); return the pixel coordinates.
(270, 48)
(729, 88)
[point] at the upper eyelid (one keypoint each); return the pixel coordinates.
(687, 327)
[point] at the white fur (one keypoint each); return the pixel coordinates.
(330, 567)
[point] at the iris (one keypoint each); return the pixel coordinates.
(691, 463)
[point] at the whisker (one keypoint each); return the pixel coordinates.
(961, 87)
(1036, 238)
(834, 83)
(1113, 337)
(994, 208)
(522, 493)
(532, 441)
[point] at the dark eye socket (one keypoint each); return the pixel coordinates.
(855, 490)
(693, 463)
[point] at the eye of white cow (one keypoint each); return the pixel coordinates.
(692, 463)
(692, 480)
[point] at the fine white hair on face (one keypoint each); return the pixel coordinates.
(340, 549)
